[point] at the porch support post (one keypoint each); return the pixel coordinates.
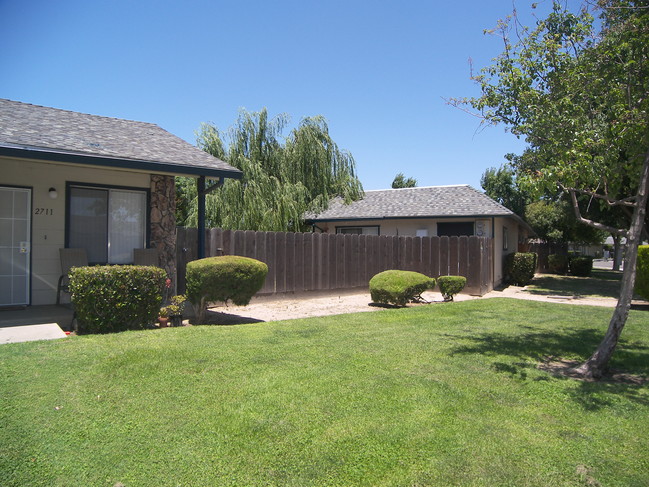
(201, 217)
(202, 191)
(162, 227)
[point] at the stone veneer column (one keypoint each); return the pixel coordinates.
(163, 222)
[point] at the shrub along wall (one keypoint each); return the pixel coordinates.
(642, 272)
(116, 298)
(520, 267)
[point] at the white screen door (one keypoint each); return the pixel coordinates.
(15, 243)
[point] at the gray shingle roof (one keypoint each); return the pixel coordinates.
(35, 131)
(431, 202)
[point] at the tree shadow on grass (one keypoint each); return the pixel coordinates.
(224, 319)
(550, 284)
(542, 349)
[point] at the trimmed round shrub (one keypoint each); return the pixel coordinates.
(642, 272)
(520, 267)
(449, 286)
(558, 264)
(399, 287)
(116, 298)
(581, 265)
(225, 278)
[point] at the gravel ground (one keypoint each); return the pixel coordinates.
(304, 305)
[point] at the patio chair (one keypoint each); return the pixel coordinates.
(69, 258)
(146, 257)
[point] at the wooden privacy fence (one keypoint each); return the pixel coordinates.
(321, 261)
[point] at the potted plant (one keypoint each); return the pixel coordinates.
(175, 309)
(163, 317)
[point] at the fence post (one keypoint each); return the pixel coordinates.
(307, 250)
(298, 263)
(474, 274)
(453, 256)
(280, 262)
(443, 256)
(271, 260)
(425, 256)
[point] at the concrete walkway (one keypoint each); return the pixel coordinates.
(30, 333)
(34, 323)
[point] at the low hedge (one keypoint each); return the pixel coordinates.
(449, 286)
(399, 287)
(581, 265)
(222, 279)
(520, 267)
(558, 264)
(642, 272)
(116, 298)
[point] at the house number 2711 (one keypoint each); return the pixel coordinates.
(43, 211)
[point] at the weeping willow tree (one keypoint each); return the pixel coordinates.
(280, 181)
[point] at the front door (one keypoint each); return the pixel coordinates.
(15, 244)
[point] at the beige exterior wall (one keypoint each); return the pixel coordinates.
(48, 215)
(408, 227)
(512, 231)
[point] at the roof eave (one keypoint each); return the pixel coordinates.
(113, 162)
(419, 217)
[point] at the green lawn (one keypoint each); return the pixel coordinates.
(443, 395)
(601, 283)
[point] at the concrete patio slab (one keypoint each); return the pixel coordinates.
(29, 333)
(37, 315)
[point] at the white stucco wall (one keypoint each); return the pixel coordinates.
(48, 215)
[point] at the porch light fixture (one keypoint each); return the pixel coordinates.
(53, 194)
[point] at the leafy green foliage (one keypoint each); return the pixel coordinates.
(116, 298)
(226, 278)
(581, 265)
(280, 182)
(520, 267)
(577, 89)
(175, 307)
(554, 221)
(642, 272)
(547, 219)
(399, 287)
(501, 185)
(585, 141)
(400, 181)
(449, 286)
(558, 264)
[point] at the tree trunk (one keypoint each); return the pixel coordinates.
(617, 252)
(597, 364)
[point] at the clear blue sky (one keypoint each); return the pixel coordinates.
(376, 70)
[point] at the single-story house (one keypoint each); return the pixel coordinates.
(73, 180)
(426, 212)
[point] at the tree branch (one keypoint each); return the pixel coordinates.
(591, 223)
(630, 201)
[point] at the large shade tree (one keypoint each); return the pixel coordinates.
(281, 179)
(501, 185)
(400, 181)
(577, 90)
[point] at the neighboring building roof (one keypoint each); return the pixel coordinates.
(423, 202)
(37, 132)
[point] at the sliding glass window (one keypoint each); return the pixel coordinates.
(108, 223)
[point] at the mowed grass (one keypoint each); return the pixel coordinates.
(440, 395)
(601, 283)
